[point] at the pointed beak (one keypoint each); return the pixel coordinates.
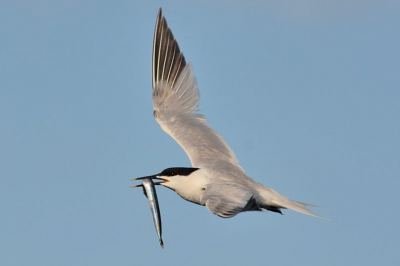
(152, 177)
(140, 178)
(136, 186)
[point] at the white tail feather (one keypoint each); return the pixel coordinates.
(296, 206)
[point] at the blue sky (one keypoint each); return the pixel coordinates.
(306, 93)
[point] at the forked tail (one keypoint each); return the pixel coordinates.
(273, 201)
(296, 206)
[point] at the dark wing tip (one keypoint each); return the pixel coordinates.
(168, 61)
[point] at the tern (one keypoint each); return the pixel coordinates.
(215, 180)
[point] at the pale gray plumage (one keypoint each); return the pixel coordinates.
(216, 179)
(218, 199)
(175, 103)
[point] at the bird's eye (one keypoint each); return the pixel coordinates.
(168, 172)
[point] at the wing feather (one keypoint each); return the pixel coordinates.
(228, 199)
(175, 101)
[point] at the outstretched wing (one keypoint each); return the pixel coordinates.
(228, 199)
(175, 100)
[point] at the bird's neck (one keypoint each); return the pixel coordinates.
(190, 187)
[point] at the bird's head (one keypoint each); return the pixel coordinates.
(170, 176)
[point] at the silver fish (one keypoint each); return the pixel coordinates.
(149, 191)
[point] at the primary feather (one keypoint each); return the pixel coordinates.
(175, 100)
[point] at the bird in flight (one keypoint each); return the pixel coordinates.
(215, 180)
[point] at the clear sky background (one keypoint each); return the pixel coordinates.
(307, 94)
